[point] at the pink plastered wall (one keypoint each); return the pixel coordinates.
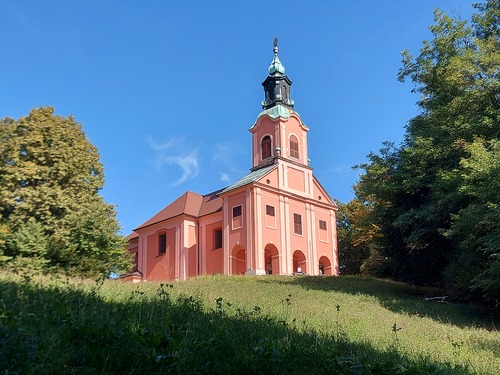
(211, 258)
(237, 228)
(160, 266)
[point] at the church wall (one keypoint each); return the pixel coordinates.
(270, 224)
(192, 260)
(293, 128)
(325, 238)
(238, 225)
(160, 266)
(319, 193)
(296, 179)
(265, 126)
(211, 258)
(133, 249)
(299, 241)
(271, 179)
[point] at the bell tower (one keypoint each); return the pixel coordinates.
(279, 133)
(277, 84)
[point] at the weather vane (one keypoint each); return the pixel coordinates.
(275, 43)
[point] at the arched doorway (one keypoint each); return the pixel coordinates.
(299, 262)
(239, 260)
(325, 266)
(272, 260)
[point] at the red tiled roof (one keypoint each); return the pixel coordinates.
(211, 203)
(188, 203)
(132, 235)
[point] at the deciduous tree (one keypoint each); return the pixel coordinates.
(426, 192)
(50, 177)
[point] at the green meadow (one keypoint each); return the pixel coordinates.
(240, 325)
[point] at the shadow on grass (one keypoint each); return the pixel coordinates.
(66, 328)
(394, 296)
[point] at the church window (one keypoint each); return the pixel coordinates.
(136, 262)
(237, 217)
(323, 231)
(217, 238)
(162, 243)
(266, 147)
(270, 218)
(294, 147)
(322, 225)
(297, 224)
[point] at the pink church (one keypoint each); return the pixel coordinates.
(277, 219)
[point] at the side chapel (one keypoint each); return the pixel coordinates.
(277, 219)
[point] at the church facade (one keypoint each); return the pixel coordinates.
(277, 219)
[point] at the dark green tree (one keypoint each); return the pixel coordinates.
(476, 228)
(52, 213)
(423, 190)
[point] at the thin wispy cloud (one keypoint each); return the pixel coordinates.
(160, 146)
(224, 177)
(172, 152)
(188, 164)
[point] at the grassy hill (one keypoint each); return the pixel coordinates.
(244, 325)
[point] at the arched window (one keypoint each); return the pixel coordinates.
(294, 147)
(266, 147)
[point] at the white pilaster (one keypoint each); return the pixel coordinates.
(258, 220)
(314, 241)
(283, 237)
(334, 255)
(177, 251)
(308, 232)
(225, 242)
(250, 245)
(288, 253)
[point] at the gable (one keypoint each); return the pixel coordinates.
(321, 194)
(270, 179)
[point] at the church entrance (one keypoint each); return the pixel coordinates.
(272, 260)
(238, 260)
(325, 267)
(299, 262)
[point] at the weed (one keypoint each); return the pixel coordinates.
(285, 304)
(395, 338)
(162, 291)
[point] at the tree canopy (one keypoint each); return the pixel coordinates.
(436, 197)
(52, 213)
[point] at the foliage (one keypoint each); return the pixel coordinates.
(426, 194)
(4, 236)
(31, 244)
(50, 176)
(355, 236)
(476, 227)
(313, 325)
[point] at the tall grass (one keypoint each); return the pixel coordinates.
(244, 325)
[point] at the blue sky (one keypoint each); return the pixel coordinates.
(167, 90)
